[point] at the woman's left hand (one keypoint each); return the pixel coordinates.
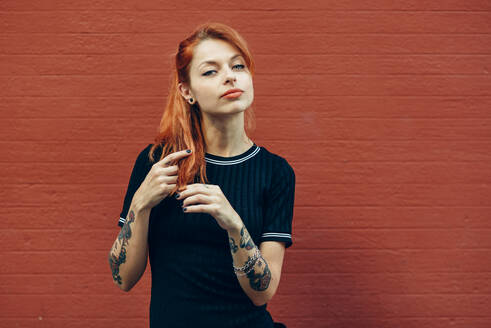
(209, 199)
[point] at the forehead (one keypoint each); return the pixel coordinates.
(213, 50)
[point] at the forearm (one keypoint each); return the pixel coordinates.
(128, 255)
(257, 284)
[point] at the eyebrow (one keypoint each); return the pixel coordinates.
(214, 62)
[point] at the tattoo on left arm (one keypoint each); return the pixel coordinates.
(245, 239)
(233, 247)
(260, 276)
(260, 281)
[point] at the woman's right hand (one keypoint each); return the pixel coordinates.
(160, 181)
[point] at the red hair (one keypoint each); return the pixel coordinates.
(181, 124)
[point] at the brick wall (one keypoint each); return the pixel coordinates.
(381, 107)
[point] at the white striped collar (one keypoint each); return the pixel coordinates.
(219, 160)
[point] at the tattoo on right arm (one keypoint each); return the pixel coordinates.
(124, 236)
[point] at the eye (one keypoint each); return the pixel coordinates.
(206, 73)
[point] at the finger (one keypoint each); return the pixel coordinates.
(197, 209)
(195, 186)
(171, 170)
(193, 189)
(197, 199)
(172, 178)
(173, 157)
(171, 186)
(168, 179)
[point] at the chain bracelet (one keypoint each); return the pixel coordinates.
(248, 263)
(242, 271)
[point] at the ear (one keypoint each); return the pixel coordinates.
(184, 90)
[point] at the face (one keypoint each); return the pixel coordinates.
(209, 80)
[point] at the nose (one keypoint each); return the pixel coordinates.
(230, 75)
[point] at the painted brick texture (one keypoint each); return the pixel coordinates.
(381, 107)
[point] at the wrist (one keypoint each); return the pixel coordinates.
(138, 205)
(236, 226)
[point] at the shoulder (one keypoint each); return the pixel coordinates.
(145, 160)
(279, 164)
(276, 160)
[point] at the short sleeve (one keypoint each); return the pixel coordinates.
(140, 170)
(278, 206)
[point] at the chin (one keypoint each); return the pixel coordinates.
(235, 110)
(241, 108)
(236, 107)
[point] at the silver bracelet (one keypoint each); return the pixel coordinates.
(242, 271)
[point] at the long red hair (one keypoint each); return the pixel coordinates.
(181, 124)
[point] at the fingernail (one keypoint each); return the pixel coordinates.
(184, 209)
(177, 195)
(188, 151)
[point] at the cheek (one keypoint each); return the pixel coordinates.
(248, 82)
(205, 91)
(250, 87)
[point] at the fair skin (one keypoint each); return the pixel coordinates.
(223, 126)
(223, 121)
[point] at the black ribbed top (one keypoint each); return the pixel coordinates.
(193, 282)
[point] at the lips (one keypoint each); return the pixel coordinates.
(232, 91)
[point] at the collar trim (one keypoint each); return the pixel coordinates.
(219, 160)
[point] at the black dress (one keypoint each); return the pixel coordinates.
(193, 282)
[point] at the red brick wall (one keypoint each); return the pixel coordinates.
(381, 107)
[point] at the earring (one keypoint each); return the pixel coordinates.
(191, 101)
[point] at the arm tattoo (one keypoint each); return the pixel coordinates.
(245, 239)
(233, 247)
(260, 281)
(124, 236)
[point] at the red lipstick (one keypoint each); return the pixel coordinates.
(232, 93)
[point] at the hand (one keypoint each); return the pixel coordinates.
(160, 181)
(210, 199)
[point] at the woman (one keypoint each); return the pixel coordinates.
(211, 208)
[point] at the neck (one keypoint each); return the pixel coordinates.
(225, 135)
